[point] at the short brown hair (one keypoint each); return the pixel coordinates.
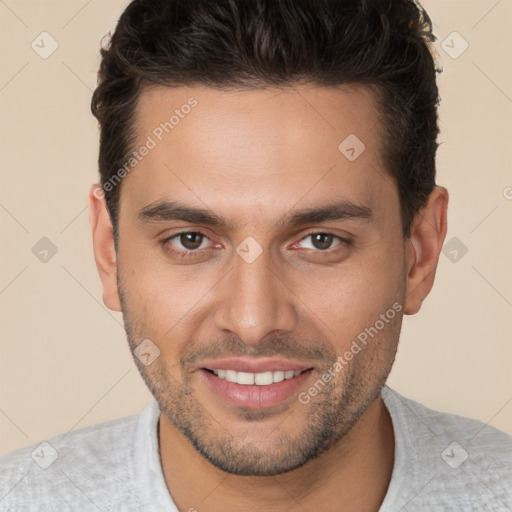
(385, 44)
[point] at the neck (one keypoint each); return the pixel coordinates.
(354, 473)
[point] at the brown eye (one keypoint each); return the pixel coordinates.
(193, 245)
(191, 240)
(322, 241)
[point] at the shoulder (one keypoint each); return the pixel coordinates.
(71, 468)
(446, 460)
(476, 434)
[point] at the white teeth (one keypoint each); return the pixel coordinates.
(263, 379)
(277, 376)
(230, 375)
(245, 378)
(260, 379)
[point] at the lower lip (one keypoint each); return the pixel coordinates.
(254, 396)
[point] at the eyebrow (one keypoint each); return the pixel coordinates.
(174, 210)
(339, 210)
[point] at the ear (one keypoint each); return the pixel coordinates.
(423, 247)
(104, 248)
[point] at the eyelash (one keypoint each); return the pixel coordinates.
(344, 243)
(183, 253)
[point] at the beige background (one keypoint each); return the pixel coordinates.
(64, 358)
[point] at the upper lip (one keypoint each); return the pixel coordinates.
(254, 365)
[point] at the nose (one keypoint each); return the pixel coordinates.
(254, 301)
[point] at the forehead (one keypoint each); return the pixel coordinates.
(256, 148)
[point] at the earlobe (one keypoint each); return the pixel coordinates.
(424, 245)
(104, 248)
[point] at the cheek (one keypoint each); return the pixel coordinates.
(343, 301)
(158, 293)
(167, 306)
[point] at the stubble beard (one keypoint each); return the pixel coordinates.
(327, 418)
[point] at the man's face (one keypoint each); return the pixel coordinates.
(252, 286)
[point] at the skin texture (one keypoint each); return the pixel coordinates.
(253, 158)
